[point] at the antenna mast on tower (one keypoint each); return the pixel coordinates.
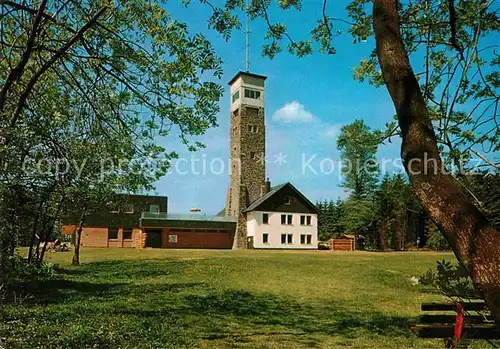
(247, 40)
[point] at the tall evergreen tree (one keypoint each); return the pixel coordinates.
(358, 146)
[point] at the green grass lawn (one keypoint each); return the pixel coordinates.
(132, 298)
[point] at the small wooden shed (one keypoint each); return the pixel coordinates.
(346, 242)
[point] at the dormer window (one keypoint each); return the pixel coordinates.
(253, 94)
(236, 96)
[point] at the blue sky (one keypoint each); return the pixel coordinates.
(307, 101)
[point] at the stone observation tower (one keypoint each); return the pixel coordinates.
(247, 180)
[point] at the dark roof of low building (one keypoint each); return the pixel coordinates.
(254, 205)
(238, 74)
(187, 217)
(183, 220)
(221, 213)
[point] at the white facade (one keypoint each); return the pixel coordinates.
(239, 86)
(275, 229)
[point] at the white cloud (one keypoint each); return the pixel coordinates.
(293, 112)
(332, 131)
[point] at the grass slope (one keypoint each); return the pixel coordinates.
(223, 299)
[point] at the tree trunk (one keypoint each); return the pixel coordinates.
(7, 248)
(397, 233)
(77, 240)
(33, 239)
(473, 239)
(49, 233)
(44, 248)
(384, 236)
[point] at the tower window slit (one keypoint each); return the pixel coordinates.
(253, 128)
(236, 95)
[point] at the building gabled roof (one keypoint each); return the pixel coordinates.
(274, 190)
(263, 198)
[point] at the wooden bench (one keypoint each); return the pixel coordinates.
(456, 323)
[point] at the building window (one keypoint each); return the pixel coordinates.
(252, 155)
(265, 238)
(288, 200)
(127, 234)
(286, 239)
(154, 208)
(286, 219)
(113, 208)
(235, 112)
(306, 239)
(128, 208)
(172, 239)
(236, 95)
(265, 218)
(253, 128)
(305, 220)
(113, 234)
(254, 94)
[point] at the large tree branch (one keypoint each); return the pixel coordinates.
(51, 18)
(475, 242)
(34, 79)
(485, 159)
(18, 70)
(453, 28)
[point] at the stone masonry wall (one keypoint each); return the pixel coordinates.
(248, 171)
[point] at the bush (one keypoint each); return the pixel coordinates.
(21, 271)
(436, 239)
(451, 280)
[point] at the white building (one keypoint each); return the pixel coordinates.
(282, 219)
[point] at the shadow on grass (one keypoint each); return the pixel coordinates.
(164, 312)
(128, 268)
(263, 309)
(103, 280)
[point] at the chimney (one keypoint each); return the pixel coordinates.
(266, 188)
